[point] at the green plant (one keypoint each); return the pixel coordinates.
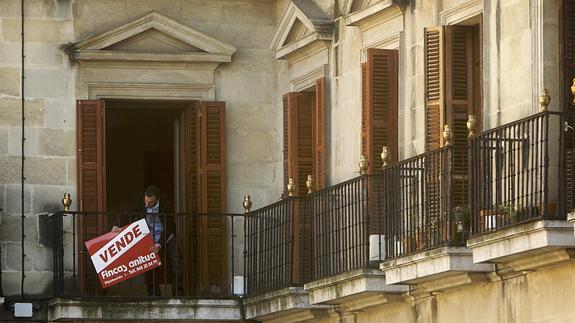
(462, 215)
(510, 211)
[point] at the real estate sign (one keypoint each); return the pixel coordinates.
(118, 256)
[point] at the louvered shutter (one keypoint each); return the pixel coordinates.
(189, 183)
(319, 145)
(212, 192)
(568, 43)
(434, 87)
(460, 102)
(289, 126)
(379, 105)
(299, 139)
(91, 183)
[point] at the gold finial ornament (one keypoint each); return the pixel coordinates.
(309, 184)
(247, 203)
(363, 165)
(447, 135)
(471, 125)
(544, 100)
(290, 187)
(66, 201)
(385, 156)
(573, 91)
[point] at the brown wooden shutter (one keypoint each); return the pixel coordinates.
(189, 203)
(91, 183)
(434, 87)
(319, 137)
(379, 105)
(461, 88)
(212, 175)
(299, 139)
(568, 60)
(289, 106)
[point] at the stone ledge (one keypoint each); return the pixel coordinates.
(291, 302)
(571, 217)
(158, 309)
(354, 290)
(526, 246)
(440, 263)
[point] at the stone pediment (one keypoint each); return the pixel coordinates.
(302, 26)
(152, 37)
(360, 12)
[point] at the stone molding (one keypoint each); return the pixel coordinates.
(308, 79)
(526, 246)
(159, 309)
(461, 12)
(355, 290)
(377, 13)
(319, 27)
(292, 302)
(432, 265)
(151, 91)
(196, 46)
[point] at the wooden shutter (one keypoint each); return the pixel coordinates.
(319, 138)
(299, 139)
(212, 178)
(289, 106)
(379, 105)
(462, 85)
(434, 87)
(91, 183)
(568, 60)
(189, 124)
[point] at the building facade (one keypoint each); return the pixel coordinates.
(397, 160)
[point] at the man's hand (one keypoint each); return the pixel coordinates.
(115, 229)
(156, 248)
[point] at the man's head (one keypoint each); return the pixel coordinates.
(151, 196)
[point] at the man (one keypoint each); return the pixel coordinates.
(164, 239)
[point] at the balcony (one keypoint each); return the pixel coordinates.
(277, 260)
(206, 269)
(348, 243)
(522, 176)
(423, 204)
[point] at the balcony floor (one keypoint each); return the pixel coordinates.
(157, 309)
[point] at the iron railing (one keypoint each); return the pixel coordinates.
(518, 172)
(423, 201)
(340, 229)
(201, 245)
(277, 246)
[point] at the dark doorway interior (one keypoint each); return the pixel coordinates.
(141, 137)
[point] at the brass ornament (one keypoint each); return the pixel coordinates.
(471, 125)
(447, 135)
(544, 100)
(290, 187)
(385, 156)
(573, 91)
(247, 203)
(309, 184)
(363, 165)
(66, 201)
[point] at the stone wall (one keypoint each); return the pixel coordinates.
(54, 83)
(539, 296)
(50, 135)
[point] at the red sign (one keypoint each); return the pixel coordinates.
(118, 256)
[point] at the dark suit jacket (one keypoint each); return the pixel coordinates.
(168, 220)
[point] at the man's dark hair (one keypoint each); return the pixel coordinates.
(152, 190)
